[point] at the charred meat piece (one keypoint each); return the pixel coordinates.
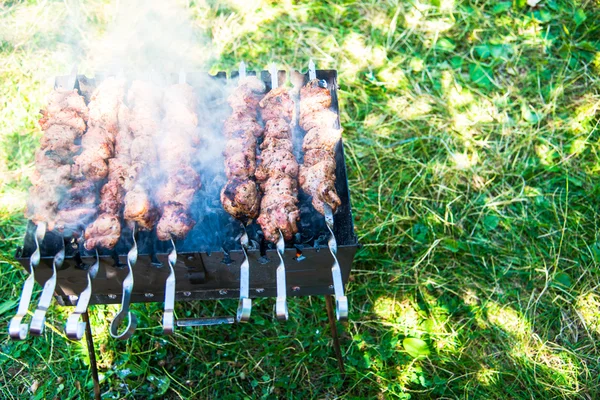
(278, 104)
(98, 147)
(278, 207)
(175, 222)
(104, 232)
(246, 96)
(139, 208)
(240, 196)
(322, 139)
(318, 180)
(66, 108)
(317, 174)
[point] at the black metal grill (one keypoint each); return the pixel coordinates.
(207, 268)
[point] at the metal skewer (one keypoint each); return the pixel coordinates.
(75, 329)
(39, 317)
(16, 329)
(281, 308)
(168, 315)
(245, 304)
(126, 299)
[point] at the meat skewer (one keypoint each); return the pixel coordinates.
(277, 174)
(240, 196)
(129, 190)
(317, 174)
(179, 127)
(63, 121)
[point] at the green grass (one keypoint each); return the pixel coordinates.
(472, 141)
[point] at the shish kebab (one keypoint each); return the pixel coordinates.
(317, 174)
(139, 210)
(96, 162)
(240, 196)
(63, 122)
(78, 205)
(181, 181)
(277, 173)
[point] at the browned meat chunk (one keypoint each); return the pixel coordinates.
(246, 96)
(322, 139)
(63, 121)
(179, 135)
(139, 208)
(65, 108)
(278, 169)
(318, 119)
(238, 125)
(104, 232)
(278, 104)
(318, 181)
(175, 222)
(314, 97)
(240, 198)
(105, 104)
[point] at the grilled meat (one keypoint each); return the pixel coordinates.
(179, 127)
(99, 142)
(124, 192)
(175, 222)
(104, 105)
(278, 104)
(317, 174)
(66, 108)
(144, 127)
(104, 232)
(63, 121)
(239, 196)
(278, 169)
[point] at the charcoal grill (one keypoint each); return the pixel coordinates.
(206, 268)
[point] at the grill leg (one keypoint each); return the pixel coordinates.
(334, 333)
(90, 345)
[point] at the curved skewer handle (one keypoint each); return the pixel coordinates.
(245, 304)
(168, 315)
(126, 299)
(76, 328)
(281, 307)
(341, 301)
(16, 329)
(39, 316)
